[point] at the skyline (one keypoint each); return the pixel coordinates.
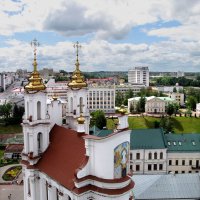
(114, 35)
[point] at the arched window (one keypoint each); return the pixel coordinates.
(71, 104)
(155, 155)
(38, 110)
(27, 110)
(39, 141)
(81, 104)
(29, 186)
(161, 155)
(150, 156)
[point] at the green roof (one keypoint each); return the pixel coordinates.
(147, 139)
(186, 142)
(104, 133)
(94, 130)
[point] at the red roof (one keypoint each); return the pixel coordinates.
(14, 148)
(65, 154)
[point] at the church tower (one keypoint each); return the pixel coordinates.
(77, 99)
(36, 123)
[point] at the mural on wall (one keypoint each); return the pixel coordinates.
(121, 156)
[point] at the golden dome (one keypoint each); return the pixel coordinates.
(77, 79)
(35, 81)
(81, 119)
(122, 109)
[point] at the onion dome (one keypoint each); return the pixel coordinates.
(122, 109)
(77, 79)
(81, 119)
(35, 81)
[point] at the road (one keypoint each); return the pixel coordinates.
(16, 192)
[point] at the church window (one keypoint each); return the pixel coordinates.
(39, 140)
(149, 167)
(81, 104)
(160, 166)
(27, 104)
(38, 110)
(71, 104)
(137, 156)
(29, 187)
(155, 166)
(131, 156)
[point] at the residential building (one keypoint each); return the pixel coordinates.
(123, 88)
(139, 75)
(148, 154)
(166, 89)
(101, 98)
(13, 151)
(152, 105)
(183, 153)
(178, 97)
(198, 107)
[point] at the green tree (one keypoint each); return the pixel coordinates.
(5, 110)
(191, 102)
(140, 107)
(174, 89)
(170, 109)
(98, 119)
(119, 99)
(166, 124)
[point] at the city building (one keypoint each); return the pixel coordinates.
(152, 105)
(139, 75)
(166, 89)
(167, 186)
(123, 88)
(101, 98)
(183, 153)
(148, 154)
(178, 97)
(60, 159)
(13, 151)
(198, 107)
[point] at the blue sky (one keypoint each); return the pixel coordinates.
(115, 35)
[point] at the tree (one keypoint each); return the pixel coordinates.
(119, 99)
(132, 108)
(18, 113)
(166, 124)
(191, 102)
(98, 119)
(174, 89)
(140, 107)
(5, 110)
(170, 109)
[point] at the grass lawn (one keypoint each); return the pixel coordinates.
(181, 124)
(1, 154)
(10, 129)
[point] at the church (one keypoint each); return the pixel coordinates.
(61, 160)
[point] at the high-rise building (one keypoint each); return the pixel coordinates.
(139, 75)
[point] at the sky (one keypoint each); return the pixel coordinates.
(115, 35)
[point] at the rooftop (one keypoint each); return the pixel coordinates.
(169, 186)
(183, 142)
(147, 139)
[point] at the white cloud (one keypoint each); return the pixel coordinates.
(102, 55)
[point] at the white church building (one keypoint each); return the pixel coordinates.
(62, 161)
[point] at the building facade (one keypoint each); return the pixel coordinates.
(139, 75)
(152, 105)
(61, 161)
(101, 98)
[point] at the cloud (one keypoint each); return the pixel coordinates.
(102, 55)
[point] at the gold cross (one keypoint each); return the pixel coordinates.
(35, 44)
(77, 46)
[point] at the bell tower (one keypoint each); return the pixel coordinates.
(36, 125)
(77, 97)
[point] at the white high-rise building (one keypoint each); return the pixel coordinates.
(139, 75)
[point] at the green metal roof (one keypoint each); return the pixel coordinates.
(94, 130)
(186, 142)
(104, 133)
(147, 139)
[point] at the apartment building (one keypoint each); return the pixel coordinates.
(101, 98)
(139, 75)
